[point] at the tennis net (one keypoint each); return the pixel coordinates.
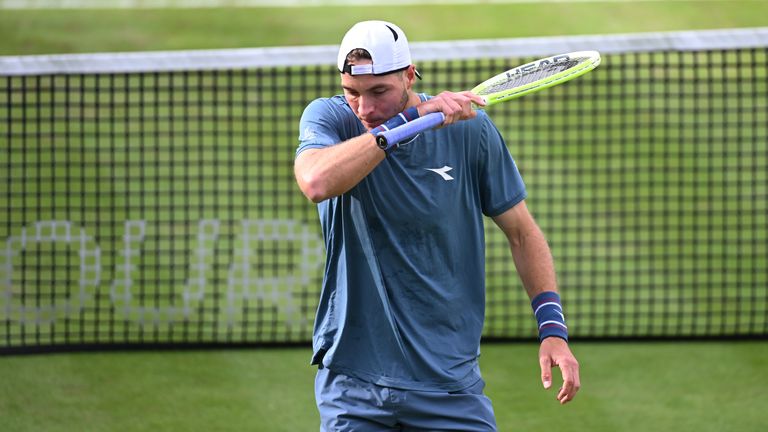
(149, 198)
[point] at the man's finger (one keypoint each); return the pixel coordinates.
(571, 384)
(546, 371)
(478, 100)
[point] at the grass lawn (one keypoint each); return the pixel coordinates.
(712, 386)
(76, 31)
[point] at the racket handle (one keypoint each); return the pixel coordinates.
(387, 139)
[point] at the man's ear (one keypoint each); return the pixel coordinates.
(410, 75)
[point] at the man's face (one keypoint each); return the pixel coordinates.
(376, 99)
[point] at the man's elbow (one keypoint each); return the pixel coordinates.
(313, 187)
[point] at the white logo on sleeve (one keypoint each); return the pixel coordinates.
(307, 134)
(443, 172)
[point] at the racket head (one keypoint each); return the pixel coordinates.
(537, 75)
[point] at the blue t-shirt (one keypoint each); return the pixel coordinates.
(403, 296)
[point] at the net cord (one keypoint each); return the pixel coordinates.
(246, 58)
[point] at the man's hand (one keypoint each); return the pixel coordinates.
(554, 351)
(455, 106)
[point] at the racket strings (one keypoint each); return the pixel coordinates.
(537, 74)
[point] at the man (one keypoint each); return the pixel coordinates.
(398, 327)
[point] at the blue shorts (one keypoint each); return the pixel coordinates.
(349, 404)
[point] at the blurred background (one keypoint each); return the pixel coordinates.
(161, 268)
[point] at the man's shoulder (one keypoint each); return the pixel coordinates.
(333, 102)
(328, 109)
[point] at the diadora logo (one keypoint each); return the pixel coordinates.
(443, 172)
(307, 134)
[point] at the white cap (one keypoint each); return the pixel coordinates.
(385, 42)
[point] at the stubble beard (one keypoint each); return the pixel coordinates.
(404, 100)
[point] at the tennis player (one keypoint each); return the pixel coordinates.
(397, 331)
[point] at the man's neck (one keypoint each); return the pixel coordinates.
(413, 99)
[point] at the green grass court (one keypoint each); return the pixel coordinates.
(702, 387)
(63, 31)
(627, 386)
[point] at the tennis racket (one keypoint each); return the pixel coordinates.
(512, 84)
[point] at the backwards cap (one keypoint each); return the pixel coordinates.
(385, 42)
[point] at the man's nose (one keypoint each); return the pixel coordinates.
(365, 106)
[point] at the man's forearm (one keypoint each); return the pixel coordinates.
(534, 263)
(331, 171)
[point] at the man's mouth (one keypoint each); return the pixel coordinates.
(370, 123)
